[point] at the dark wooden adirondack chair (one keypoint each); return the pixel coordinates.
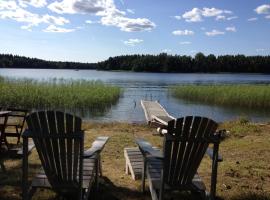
(176, 167)
(59, 141)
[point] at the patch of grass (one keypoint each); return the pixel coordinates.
(244, 173)
(57, 94)
(252, 96)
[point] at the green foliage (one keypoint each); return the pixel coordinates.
(241, 127)
(57, 94)
(14, 61)
(252, 96)
(187, 64)
(153, 63)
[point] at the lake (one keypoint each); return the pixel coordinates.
(154, 86)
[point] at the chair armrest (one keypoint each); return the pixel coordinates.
(147, 149)
(210, 153)
(96, 147)
(27, 133)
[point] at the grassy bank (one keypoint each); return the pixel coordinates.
(57, 94)
(252, 96)
(244, 173)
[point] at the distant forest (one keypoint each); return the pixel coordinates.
(14, 61)
(187, 64)
(153, 63)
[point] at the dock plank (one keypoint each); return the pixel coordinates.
(155, 114)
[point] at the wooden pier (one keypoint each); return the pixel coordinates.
(155, 114)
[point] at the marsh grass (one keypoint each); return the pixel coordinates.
(57, 94)
(251, 96)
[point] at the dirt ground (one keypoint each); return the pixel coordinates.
(244, 173)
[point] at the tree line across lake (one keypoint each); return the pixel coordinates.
(14, 61)
(153, 63)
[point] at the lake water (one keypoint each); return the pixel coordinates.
(154, 86)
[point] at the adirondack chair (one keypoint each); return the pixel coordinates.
(59, 141)
(15, 123)
(175, 168)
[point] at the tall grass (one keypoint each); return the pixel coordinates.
(57, 94)
(252, 96)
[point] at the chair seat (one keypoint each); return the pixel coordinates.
(154, 167)
(16, 125)
(41, 180)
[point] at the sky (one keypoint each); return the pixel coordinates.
(94, 30)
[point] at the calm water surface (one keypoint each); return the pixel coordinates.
(154, 86)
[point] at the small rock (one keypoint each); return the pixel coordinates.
(237, 162)
(228, 187)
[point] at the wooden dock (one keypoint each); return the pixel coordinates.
(155, 114)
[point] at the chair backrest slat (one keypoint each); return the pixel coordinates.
(62, 143)
(59, 155)
(184, 146)
(55, 145)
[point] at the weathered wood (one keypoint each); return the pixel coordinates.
(155, 113)
(185, 144)
(59, 142)
(15, 123)
(134, 161)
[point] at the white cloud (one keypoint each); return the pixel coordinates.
(178, 17)
(128, 24)
(166, 50)
(106, 9)
(193, 15)
(183, 32)
(260, 50)
(11, 10)
(231, 29)
(54, 20)
(130, 11)
(220, 17)
(8, 5)
(197, 15)
(35, 3)
(263, 9)
(91, 22)
(214, 33)
(55, 29)
(185, 42)
(211, 12)
(231, 18)
(62, 7)
(252, 19)
(132, 42)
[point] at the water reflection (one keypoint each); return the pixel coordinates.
(153, 86)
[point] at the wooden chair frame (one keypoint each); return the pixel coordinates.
(20, 116)
(62, 155)
(184, 173)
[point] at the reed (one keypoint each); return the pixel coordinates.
(57, 94)
(251, 96)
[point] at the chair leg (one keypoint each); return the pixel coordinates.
(214, 172)
(100, 166)
(143, 174)
(3, 166)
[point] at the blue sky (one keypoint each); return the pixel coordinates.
(93, 30)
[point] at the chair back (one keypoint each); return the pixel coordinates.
(59, 142)
(184, 147)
